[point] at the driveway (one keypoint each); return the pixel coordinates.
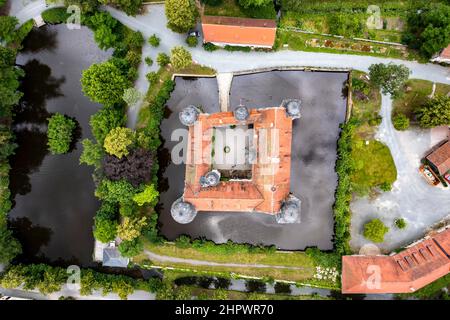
(412, 198)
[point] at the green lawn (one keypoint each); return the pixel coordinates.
(373, 162)
(228, 8)
(415, 94)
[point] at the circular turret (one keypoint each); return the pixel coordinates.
(293, 107)
(290, 211)
(241, 113)
(183, 212)
(189, 115)
(211, 179)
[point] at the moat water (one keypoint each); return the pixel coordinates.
(53, 195)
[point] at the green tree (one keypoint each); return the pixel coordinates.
(131, 96)
(401, 122)
(106, 119)
(115, 191)
(105, 230)
(60, 133)
(131, 248)
(162, 59)
(375, 230)
(154, 40)
(92, 153)
(181, 58)
(428, 29)
(149, 195)
(9, 79)
(118, 141)
(435, 112)
(131, 227)
(9, 246)
(181, 15)
(148, 61)
(131, 7)
(7, 28)
(389, 77)
(192, 41)
(255, 3)
(105, 37)
(104, 83)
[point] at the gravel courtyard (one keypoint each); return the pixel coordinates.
(412, 198)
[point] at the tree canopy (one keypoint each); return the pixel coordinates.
(389, 77)
(435, 112)
(375, 230)
(181, 15)
(181, 58)
(9, 246)
(429, 29)
(105, 120)
(104, 83)
(60, 133)
(118, 141)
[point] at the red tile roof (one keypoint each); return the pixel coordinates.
(239, 31)
(270, 183)
(445, 54)
(404, 272)
(441, 158)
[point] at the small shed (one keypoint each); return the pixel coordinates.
(113, 258)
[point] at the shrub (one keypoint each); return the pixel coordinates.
(192, 41)
(386, 186)
(152, 77)
(131, 227)
(60, 133)
(435, 112)
(237, 48)
(106, 119)
(105, 230)
(92, 153)
(7, 28)
(131, 96)
(9, 246)
(375, 230)
(154, 41)
(118, 141)
(400, 223)
(162, 59)
(181, 58)
(210, 47)
(401, 122)
(375, 121)
(115, 191)
(131, 248)
(149, 195)
(149, 61)
(55, 15)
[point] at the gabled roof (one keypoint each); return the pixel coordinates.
(441, 158)
(239, 31)
(113, 258)
(270, 183)
(404, 272)
(445, 54)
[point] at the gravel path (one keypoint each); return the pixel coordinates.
(193, 262)
(412, 198)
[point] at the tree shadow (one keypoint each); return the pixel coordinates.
(40, 39)
(32, 237)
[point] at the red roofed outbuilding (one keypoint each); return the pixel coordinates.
(405, 272)
(239, 31)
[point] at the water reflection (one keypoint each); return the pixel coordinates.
(32, 237)
(40, 39)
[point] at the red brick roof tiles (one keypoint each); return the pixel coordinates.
(404, 272)
(441, 158)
